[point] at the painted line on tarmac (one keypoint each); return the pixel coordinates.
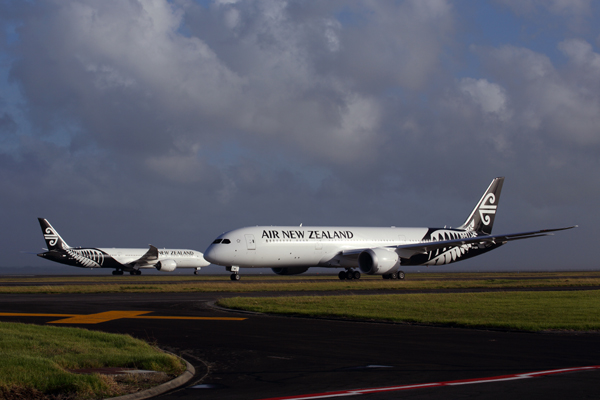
(111, 316)
(502, 378)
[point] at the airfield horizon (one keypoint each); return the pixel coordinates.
(297, 283)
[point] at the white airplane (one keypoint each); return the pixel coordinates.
(291, 250)
(131, 260)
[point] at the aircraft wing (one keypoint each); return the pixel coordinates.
(409, 250)
(149, 258)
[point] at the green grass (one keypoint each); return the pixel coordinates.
(531, 311)
(301, 283)
(36, 359)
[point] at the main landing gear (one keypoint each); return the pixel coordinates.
(120, 272)
(394, 275)
(235, 276)
(197, 270)
(349, 274)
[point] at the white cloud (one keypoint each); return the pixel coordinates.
(575, 15)
(125, 42)
(489, 96)
(558, 7)
(563, 103)
(581, 54)
(332, 38)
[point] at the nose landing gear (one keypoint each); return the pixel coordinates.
(235, 276)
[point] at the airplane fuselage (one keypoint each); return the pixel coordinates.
(293, 246)
(121, 257)
(291, 250)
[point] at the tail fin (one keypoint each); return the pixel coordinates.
(482, 216)
(53, 239)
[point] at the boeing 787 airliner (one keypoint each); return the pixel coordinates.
(131, 260)
(290, 250)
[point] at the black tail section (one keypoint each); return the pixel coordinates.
(483, 215)
(53, 239)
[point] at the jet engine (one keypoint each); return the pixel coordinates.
(377, 261)
(166, 265)
(290, 270)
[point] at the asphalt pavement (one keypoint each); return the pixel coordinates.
(254, 356)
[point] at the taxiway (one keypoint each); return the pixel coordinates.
(254, 356)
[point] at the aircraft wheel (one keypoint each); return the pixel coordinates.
(401, 275)
(120, 272)
(356, 275)
(235, 277)
(394, 275)
(342, 275)
(349, 275)
(138, 272)
(195, 272)
(115, 272)
(385, 276)
(131, 272)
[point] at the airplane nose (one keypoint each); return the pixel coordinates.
(210, 254)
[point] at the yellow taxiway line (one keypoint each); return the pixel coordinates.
(111, 316)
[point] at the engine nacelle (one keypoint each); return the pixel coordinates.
(166, 265)
(377, 261)
(290, 270)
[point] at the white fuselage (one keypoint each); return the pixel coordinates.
(106, 257)
(293, 246)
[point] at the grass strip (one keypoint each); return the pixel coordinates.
(36, 360)
(530, 311)
(268, 276)
(302, 286)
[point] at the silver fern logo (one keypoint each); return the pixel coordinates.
(488, 208)
(50, 236)
(89, 258)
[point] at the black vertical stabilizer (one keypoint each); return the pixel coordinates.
(483, 215)
(53, 239)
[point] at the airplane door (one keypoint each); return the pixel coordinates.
(250, 244)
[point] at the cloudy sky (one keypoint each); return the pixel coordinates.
(132, 122)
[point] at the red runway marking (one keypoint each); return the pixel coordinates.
(355, 392)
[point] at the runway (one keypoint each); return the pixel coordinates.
(253, 356)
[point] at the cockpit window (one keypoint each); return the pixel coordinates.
(226, 241)
(217, 241)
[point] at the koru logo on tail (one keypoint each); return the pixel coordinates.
(50, 236)
(487, 208)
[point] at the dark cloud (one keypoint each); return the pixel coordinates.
(129, 122)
